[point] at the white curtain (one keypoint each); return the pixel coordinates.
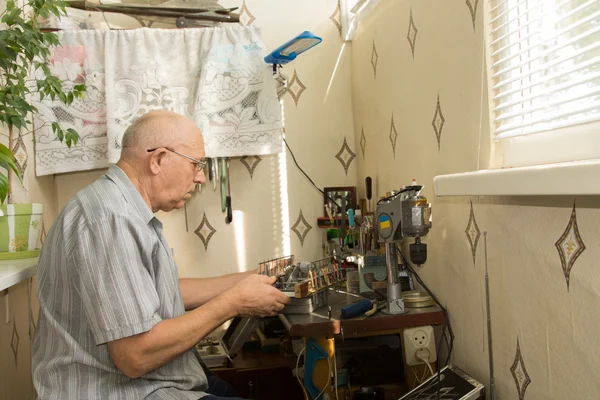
(214, 76)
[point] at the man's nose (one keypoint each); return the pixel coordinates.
(200, 177)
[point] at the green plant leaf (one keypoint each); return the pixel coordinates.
(7, 52)
(3, 188)
(24, 47)
(17, 121)
(60, 134)
(72, 137)
(7, 160)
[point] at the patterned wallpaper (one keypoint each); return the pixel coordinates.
(16, 337)
(263, 186)
(327, 19)
(275, 207)
(409, 109)
(417, 107)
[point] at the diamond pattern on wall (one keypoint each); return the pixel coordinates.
(393, 136)
(438, 122)
(336, 17)
(363, 142)
(14, 341)
(473, 233)
(301, 228)
(570, 246)
(472, 4)
(519, 373)
(345, 156)
(412, 34)
(43, 234)
(246, 17)
(205, 231)
(20, 153)
(31, 327)
(250, 162)
(295, 88)
(374, 58)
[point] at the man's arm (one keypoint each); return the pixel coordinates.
(139, 354)
(197, 291)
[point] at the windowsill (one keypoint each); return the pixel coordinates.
(16, 271)
(574, 178)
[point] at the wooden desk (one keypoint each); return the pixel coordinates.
(318, 324)
(320, 327)
(263, 376)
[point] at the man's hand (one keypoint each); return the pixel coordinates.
(254, 296)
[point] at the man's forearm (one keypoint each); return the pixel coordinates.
(198, 291)
(140, 354)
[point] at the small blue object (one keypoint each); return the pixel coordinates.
(292, 49)
(314, 353)
(356, 309)
(351, 218)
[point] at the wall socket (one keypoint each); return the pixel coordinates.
(419, 343)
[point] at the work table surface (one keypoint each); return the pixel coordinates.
(318, 324)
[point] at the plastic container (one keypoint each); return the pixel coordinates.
(20, 230)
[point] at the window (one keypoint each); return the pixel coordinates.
(351, 11)
(543, 67)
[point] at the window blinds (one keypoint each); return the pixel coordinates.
(543, 64)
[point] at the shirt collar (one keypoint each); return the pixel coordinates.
(132, 195)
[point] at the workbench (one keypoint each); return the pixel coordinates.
(264, 376)
(318, 324)
(326, 327)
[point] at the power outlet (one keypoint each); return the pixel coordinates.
(419, 344)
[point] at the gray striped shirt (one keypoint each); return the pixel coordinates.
(105, 273)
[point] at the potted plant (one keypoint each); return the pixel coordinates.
(24, 76)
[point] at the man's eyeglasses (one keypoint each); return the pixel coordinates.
(198, 164)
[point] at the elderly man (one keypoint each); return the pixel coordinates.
(112, 322)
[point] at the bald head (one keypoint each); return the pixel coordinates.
(159, 128)
(167, 175)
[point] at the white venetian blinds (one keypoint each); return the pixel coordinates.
(543, 64)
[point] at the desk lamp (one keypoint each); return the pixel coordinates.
(287, 53)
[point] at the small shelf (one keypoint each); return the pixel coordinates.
(16, 271)
(574, 178)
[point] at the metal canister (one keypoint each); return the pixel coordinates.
(416, 216)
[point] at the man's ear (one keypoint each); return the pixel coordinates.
(156, 160)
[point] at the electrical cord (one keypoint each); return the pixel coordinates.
(444, 311)
(445, 326)
(306, 175)
(426, 361)
(297, 373)
(398, 193)
(389, 197)
(417, 380)
(328, 375)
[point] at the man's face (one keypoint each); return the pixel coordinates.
(180, 175)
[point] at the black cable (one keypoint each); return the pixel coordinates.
(445, 326)
(388, 198)
(444, 311)
(399, 192)
(308, 177)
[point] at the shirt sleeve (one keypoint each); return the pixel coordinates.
(112, 260)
